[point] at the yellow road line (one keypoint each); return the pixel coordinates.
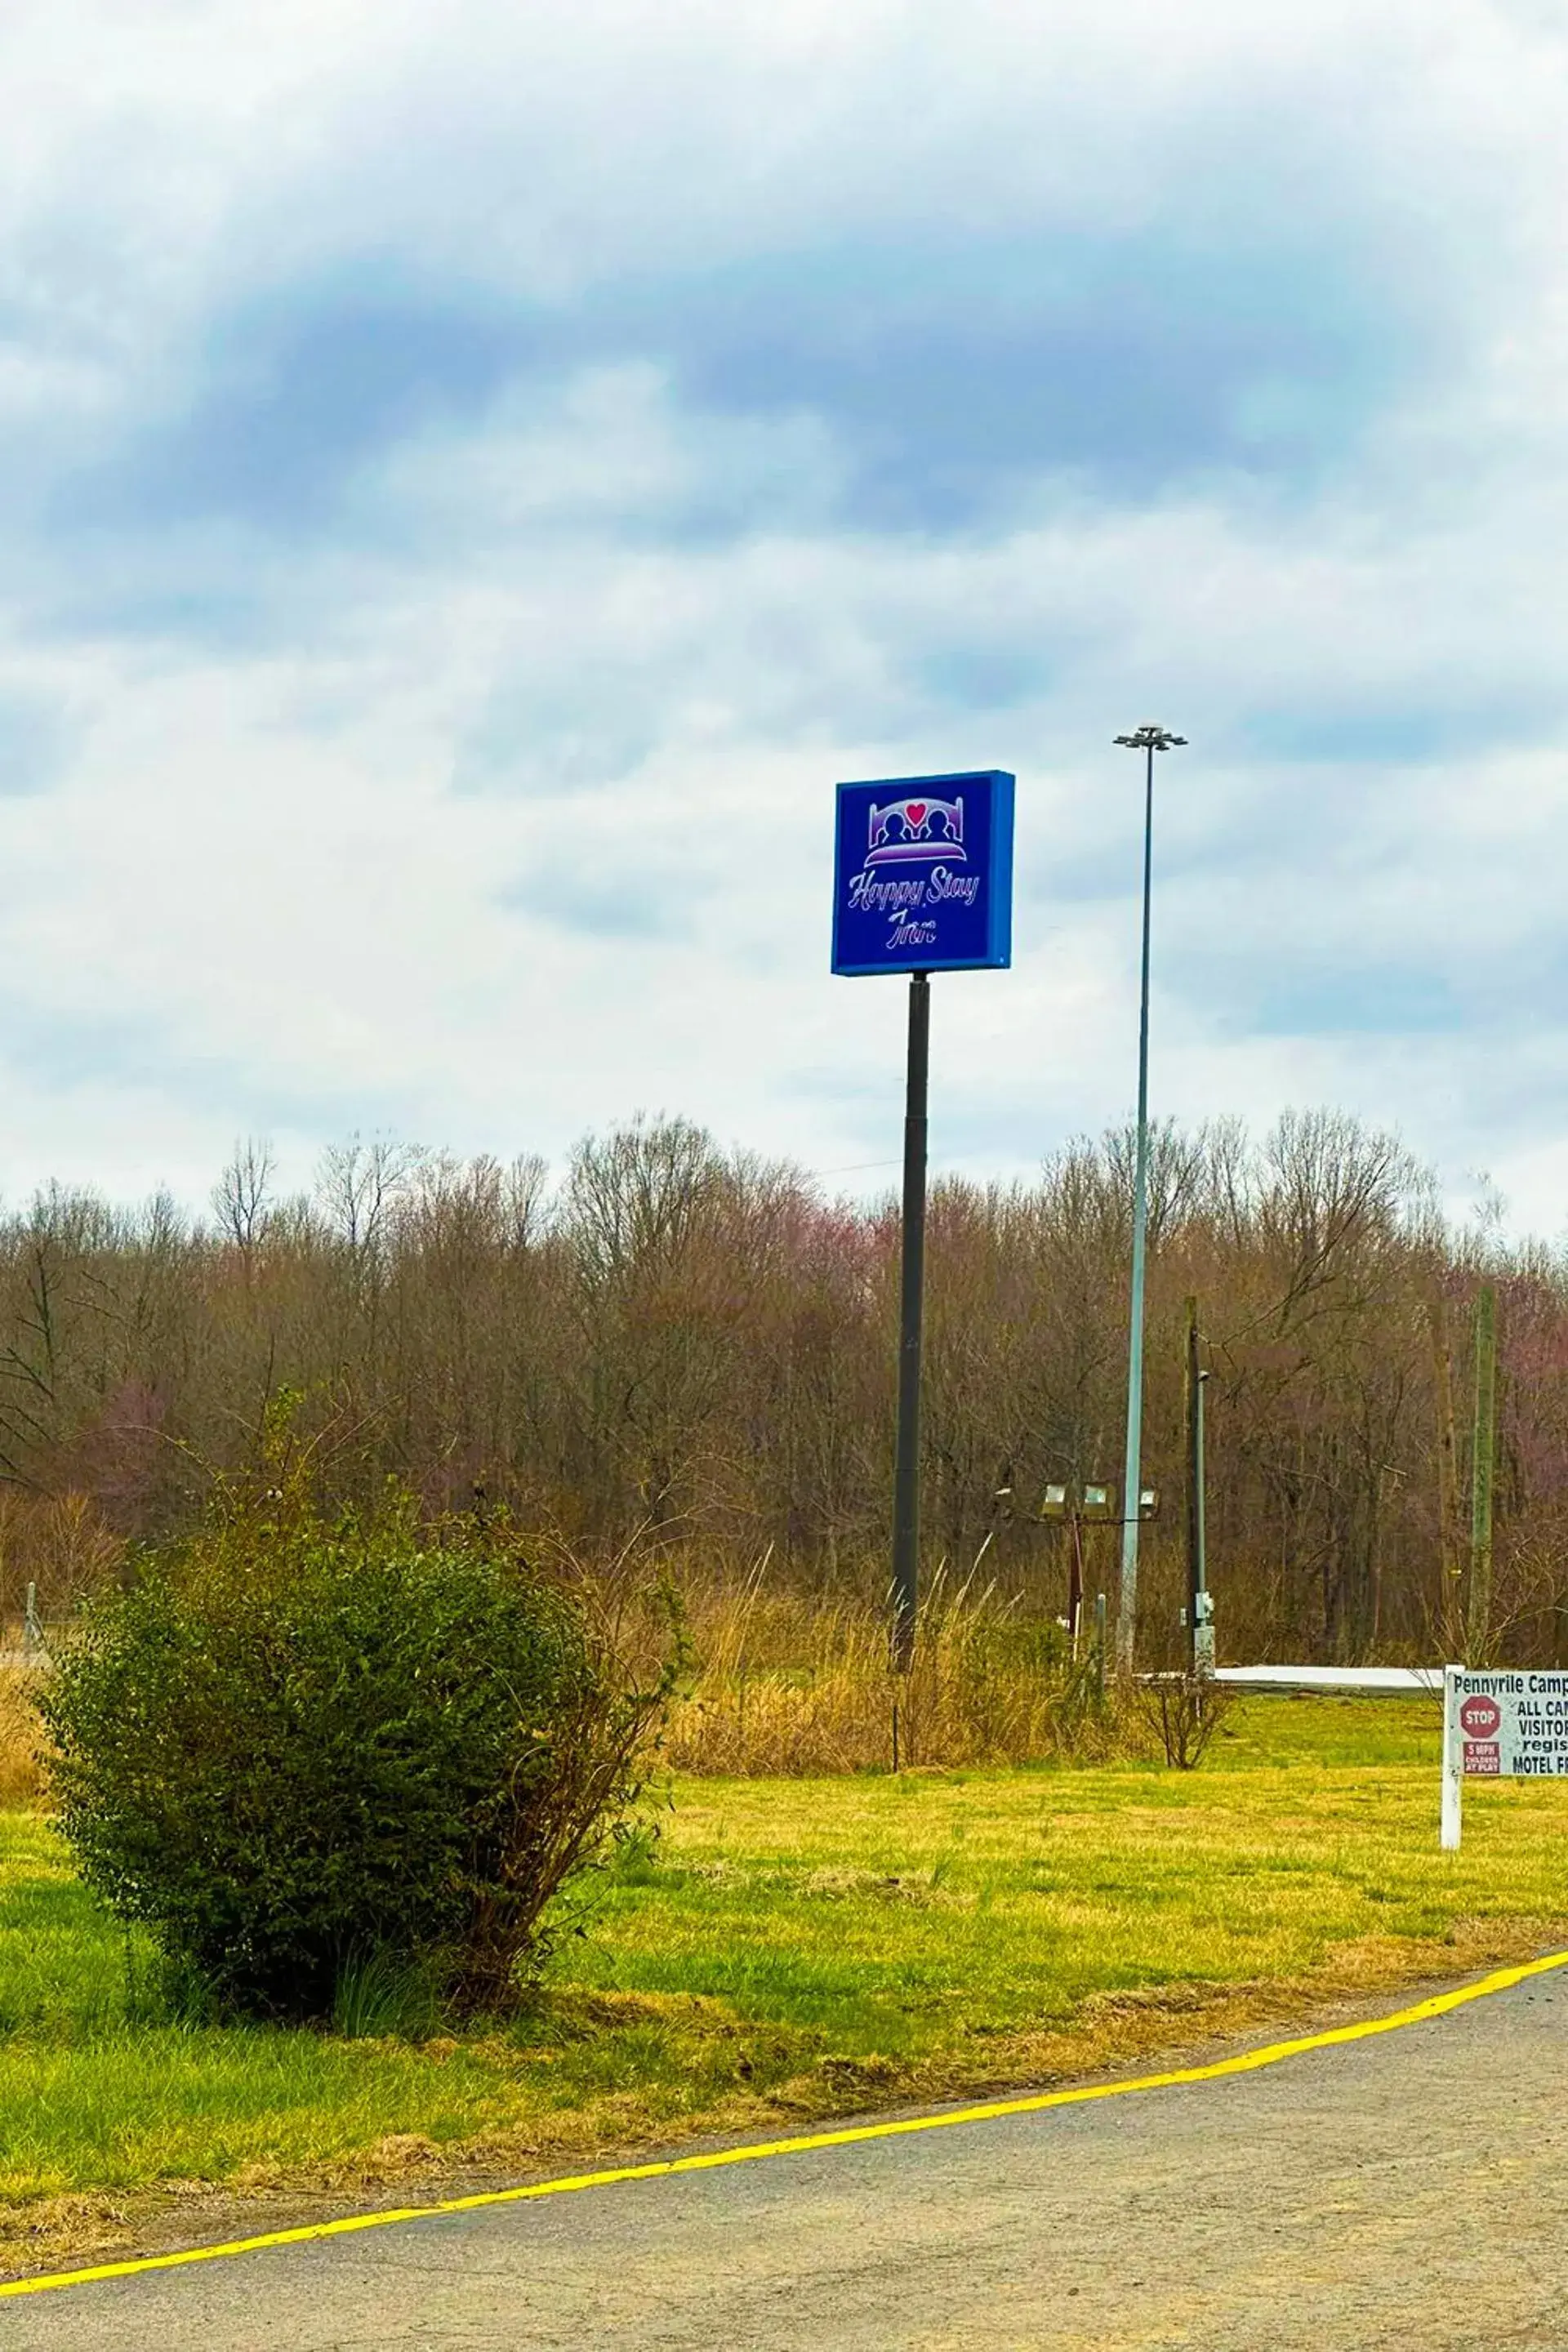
(1246, 2062)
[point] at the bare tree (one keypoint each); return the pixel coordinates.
(695, 1337)
(242, 1195)
(358, 1185)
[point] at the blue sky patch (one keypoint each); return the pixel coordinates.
(37, 740)
(950, 377)
(293, 394)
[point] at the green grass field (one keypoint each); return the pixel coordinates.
(796, 1948)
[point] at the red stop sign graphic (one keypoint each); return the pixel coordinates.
(1479, 1718)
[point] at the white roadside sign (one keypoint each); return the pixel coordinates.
(1500, 1726)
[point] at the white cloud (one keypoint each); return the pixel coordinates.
(509, 815)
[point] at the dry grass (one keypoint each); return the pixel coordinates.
(786, 1683)
(21, 1766)
(59, 1544)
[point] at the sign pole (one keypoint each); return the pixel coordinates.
(907, 1464)
(1449, 1835)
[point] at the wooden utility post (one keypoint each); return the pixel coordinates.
(1483, 1461)
(1449, 1565)
(1200, 1623)
(1074, 1582)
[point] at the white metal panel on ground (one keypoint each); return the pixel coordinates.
(1372, 1679)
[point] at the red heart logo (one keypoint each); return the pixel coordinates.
(916, 812)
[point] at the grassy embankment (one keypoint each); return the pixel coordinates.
(792, 1949)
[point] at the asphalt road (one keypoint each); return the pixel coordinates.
(1409, 2190)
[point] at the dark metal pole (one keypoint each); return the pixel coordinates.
(1203, 1634)
(907, 1466)
(1194, 1484)
(1200, 1610)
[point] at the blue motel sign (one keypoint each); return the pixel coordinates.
(923, 874)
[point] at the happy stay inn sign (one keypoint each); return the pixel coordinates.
(922, 882)
(923, 874)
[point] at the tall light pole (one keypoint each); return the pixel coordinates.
(1147, 739)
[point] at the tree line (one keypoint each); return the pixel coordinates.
(698, 1344)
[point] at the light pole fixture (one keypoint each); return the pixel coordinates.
(1147, 738)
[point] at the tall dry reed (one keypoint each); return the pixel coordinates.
(784, 1682)
(21, 1765)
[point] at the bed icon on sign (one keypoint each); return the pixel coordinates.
(902, 832)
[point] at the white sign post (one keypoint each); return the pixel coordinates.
(1500, 1726)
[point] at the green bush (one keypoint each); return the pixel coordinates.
(294, 1751)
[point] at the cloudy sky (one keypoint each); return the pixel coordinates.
(475, 475)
